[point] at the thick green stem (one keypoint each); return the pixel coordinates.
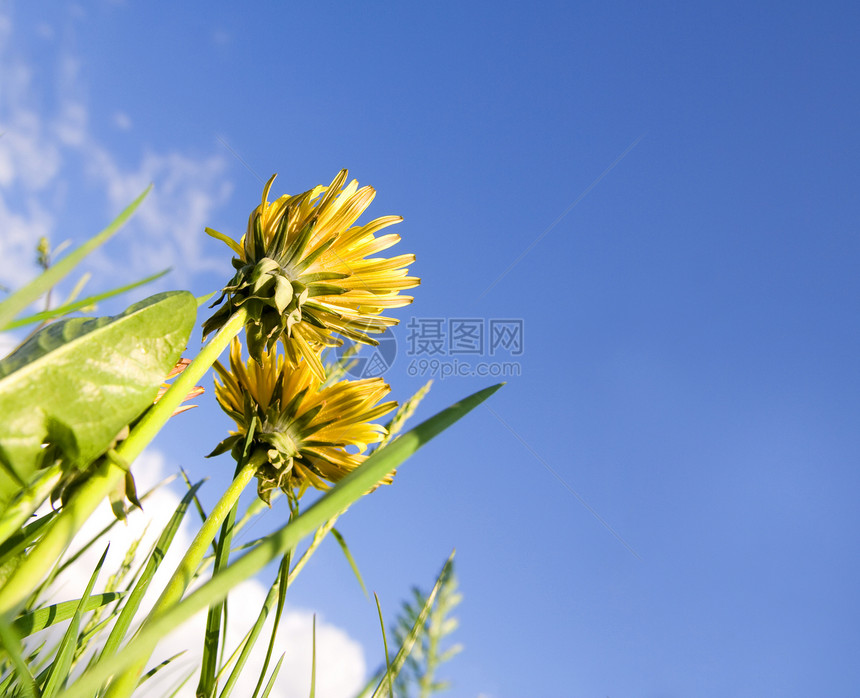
(125, 684)
(47, 551)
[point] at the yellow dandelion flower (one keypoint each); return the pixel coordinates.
(307, 274)
(303, 430)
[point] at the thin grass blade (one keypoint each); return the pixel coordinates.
(158, 667)
(404, 413)
(253, 634)
(209, 663)
(12, 644)
(43, 618)
(19, 300)
(67, 308)
(132, 604)
(283, 582)
(65, 652)
(349, 558)
(386, 684)
(27, 501)
(385, 645)
(336, 500)
(182, 683)
(314, 659)
(272, 678)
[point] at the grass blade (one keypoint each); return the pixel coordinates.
(393, 670)
(182, 683)
(209, 663)
(272, 678)
(385, 645)
(131, 606)
(21, 540)
(27, 501)
(342, 543)
(19, 300)
(12, 644)
(158, 667)
(283, 582)
(251, 639)
(404, 413)
(336, 500)
(65, 653)
(43, 618)
(314, 658)
(46, 315)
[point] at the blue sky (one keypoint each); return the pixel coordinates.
(684, 178)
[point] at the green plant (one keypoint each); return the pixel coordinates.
(82, 397)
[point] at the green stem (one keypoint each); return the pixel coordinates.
(47, 551)
(218, 611)
(21, 508)
(125, 684)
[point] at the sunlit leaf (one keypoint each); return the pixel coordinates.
(77, 383)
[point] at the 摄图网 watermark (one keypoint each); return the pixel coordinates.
(446, 348)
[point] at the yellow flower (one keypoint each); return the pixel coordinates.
(306, 274)
(302, 430)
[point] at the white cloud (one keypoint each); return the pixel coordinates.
(45, 31)
(340, 670)
(28, 156)
(5, 29)
(43, 154)
(170, 222)
(221, 37)
(122, 121)
(21, 232)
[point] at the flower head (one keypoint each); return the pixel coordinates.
(302, 428)
(305, 273)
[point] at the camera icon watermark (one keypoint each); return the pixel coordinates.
(361, 361)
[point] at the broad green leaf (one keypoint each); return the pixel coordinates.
(19, 300)
(347, 491)
(78, 382)
(42, 618)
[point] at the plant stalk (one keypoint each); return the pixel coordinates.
(53, 544)
(125, 684)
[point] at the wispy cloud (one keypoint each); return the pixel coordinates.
(44, 154)
(122, 121)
